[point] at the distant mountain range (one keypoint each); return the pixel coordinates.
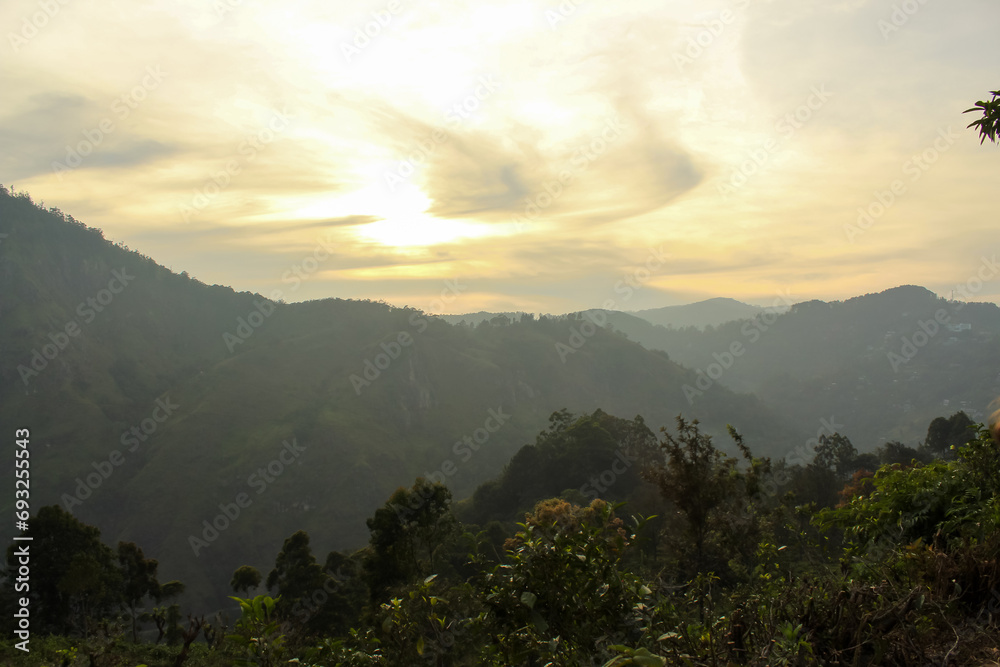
(882, 364)
(482, 316)
(710, 312)
(876, 365)
(159, 406)
(209, 425)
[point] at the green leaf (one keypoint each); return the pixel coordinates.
(528, 599)
(540, 623)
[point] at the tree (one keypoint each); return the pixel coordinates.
(597, 450)
(894, 452)
(944, 503)
(989, 124)
(139, 575)
(859, 487)
(405, 533)
(297, 577)
(836, 452)
(347, 593)
(75, 579)
(245, 578)
(707, 488)
(946, 435)
(162, 617)
(564, 579)
(989, 127)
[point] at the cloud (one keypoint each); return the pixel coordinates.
(61, 130)
(537, 147)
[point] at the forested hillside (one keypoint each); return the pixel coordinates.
(198, 389)
(879, 362)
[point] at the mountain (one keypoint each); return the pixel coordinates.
(208, 425)
(710, 312)
(473, 319)
(877, 365)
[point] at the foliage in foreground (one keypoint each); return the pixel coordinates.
(904, 571)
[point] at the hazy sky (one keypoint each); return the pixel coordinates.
(526, 155)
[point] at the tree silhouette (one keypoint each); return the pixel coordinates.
(74, 576)
(296, 577)
(696, 477)
(245, 578)
(139, 574)
(989, 125)
(945, 433)
(405, 533)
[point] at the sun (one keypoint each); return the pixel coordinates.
(405, 222)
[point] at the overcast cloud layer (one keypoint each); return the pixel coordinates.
(538, 152)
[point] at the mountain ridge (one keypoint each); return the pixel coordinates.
(426, 390)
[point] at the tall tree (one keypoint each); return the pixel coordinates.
(405, 533)
(139, 579)
(75, 579)
(297, 578)
(700, 481)
(945, 433)
(836, 452)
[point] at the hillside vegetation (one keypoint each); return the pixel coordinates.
(748, 561)
(248, 375)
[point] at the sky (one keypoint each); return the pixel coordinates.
(528, 155)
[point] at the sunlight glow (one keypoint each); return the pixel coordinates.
(420, 230)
